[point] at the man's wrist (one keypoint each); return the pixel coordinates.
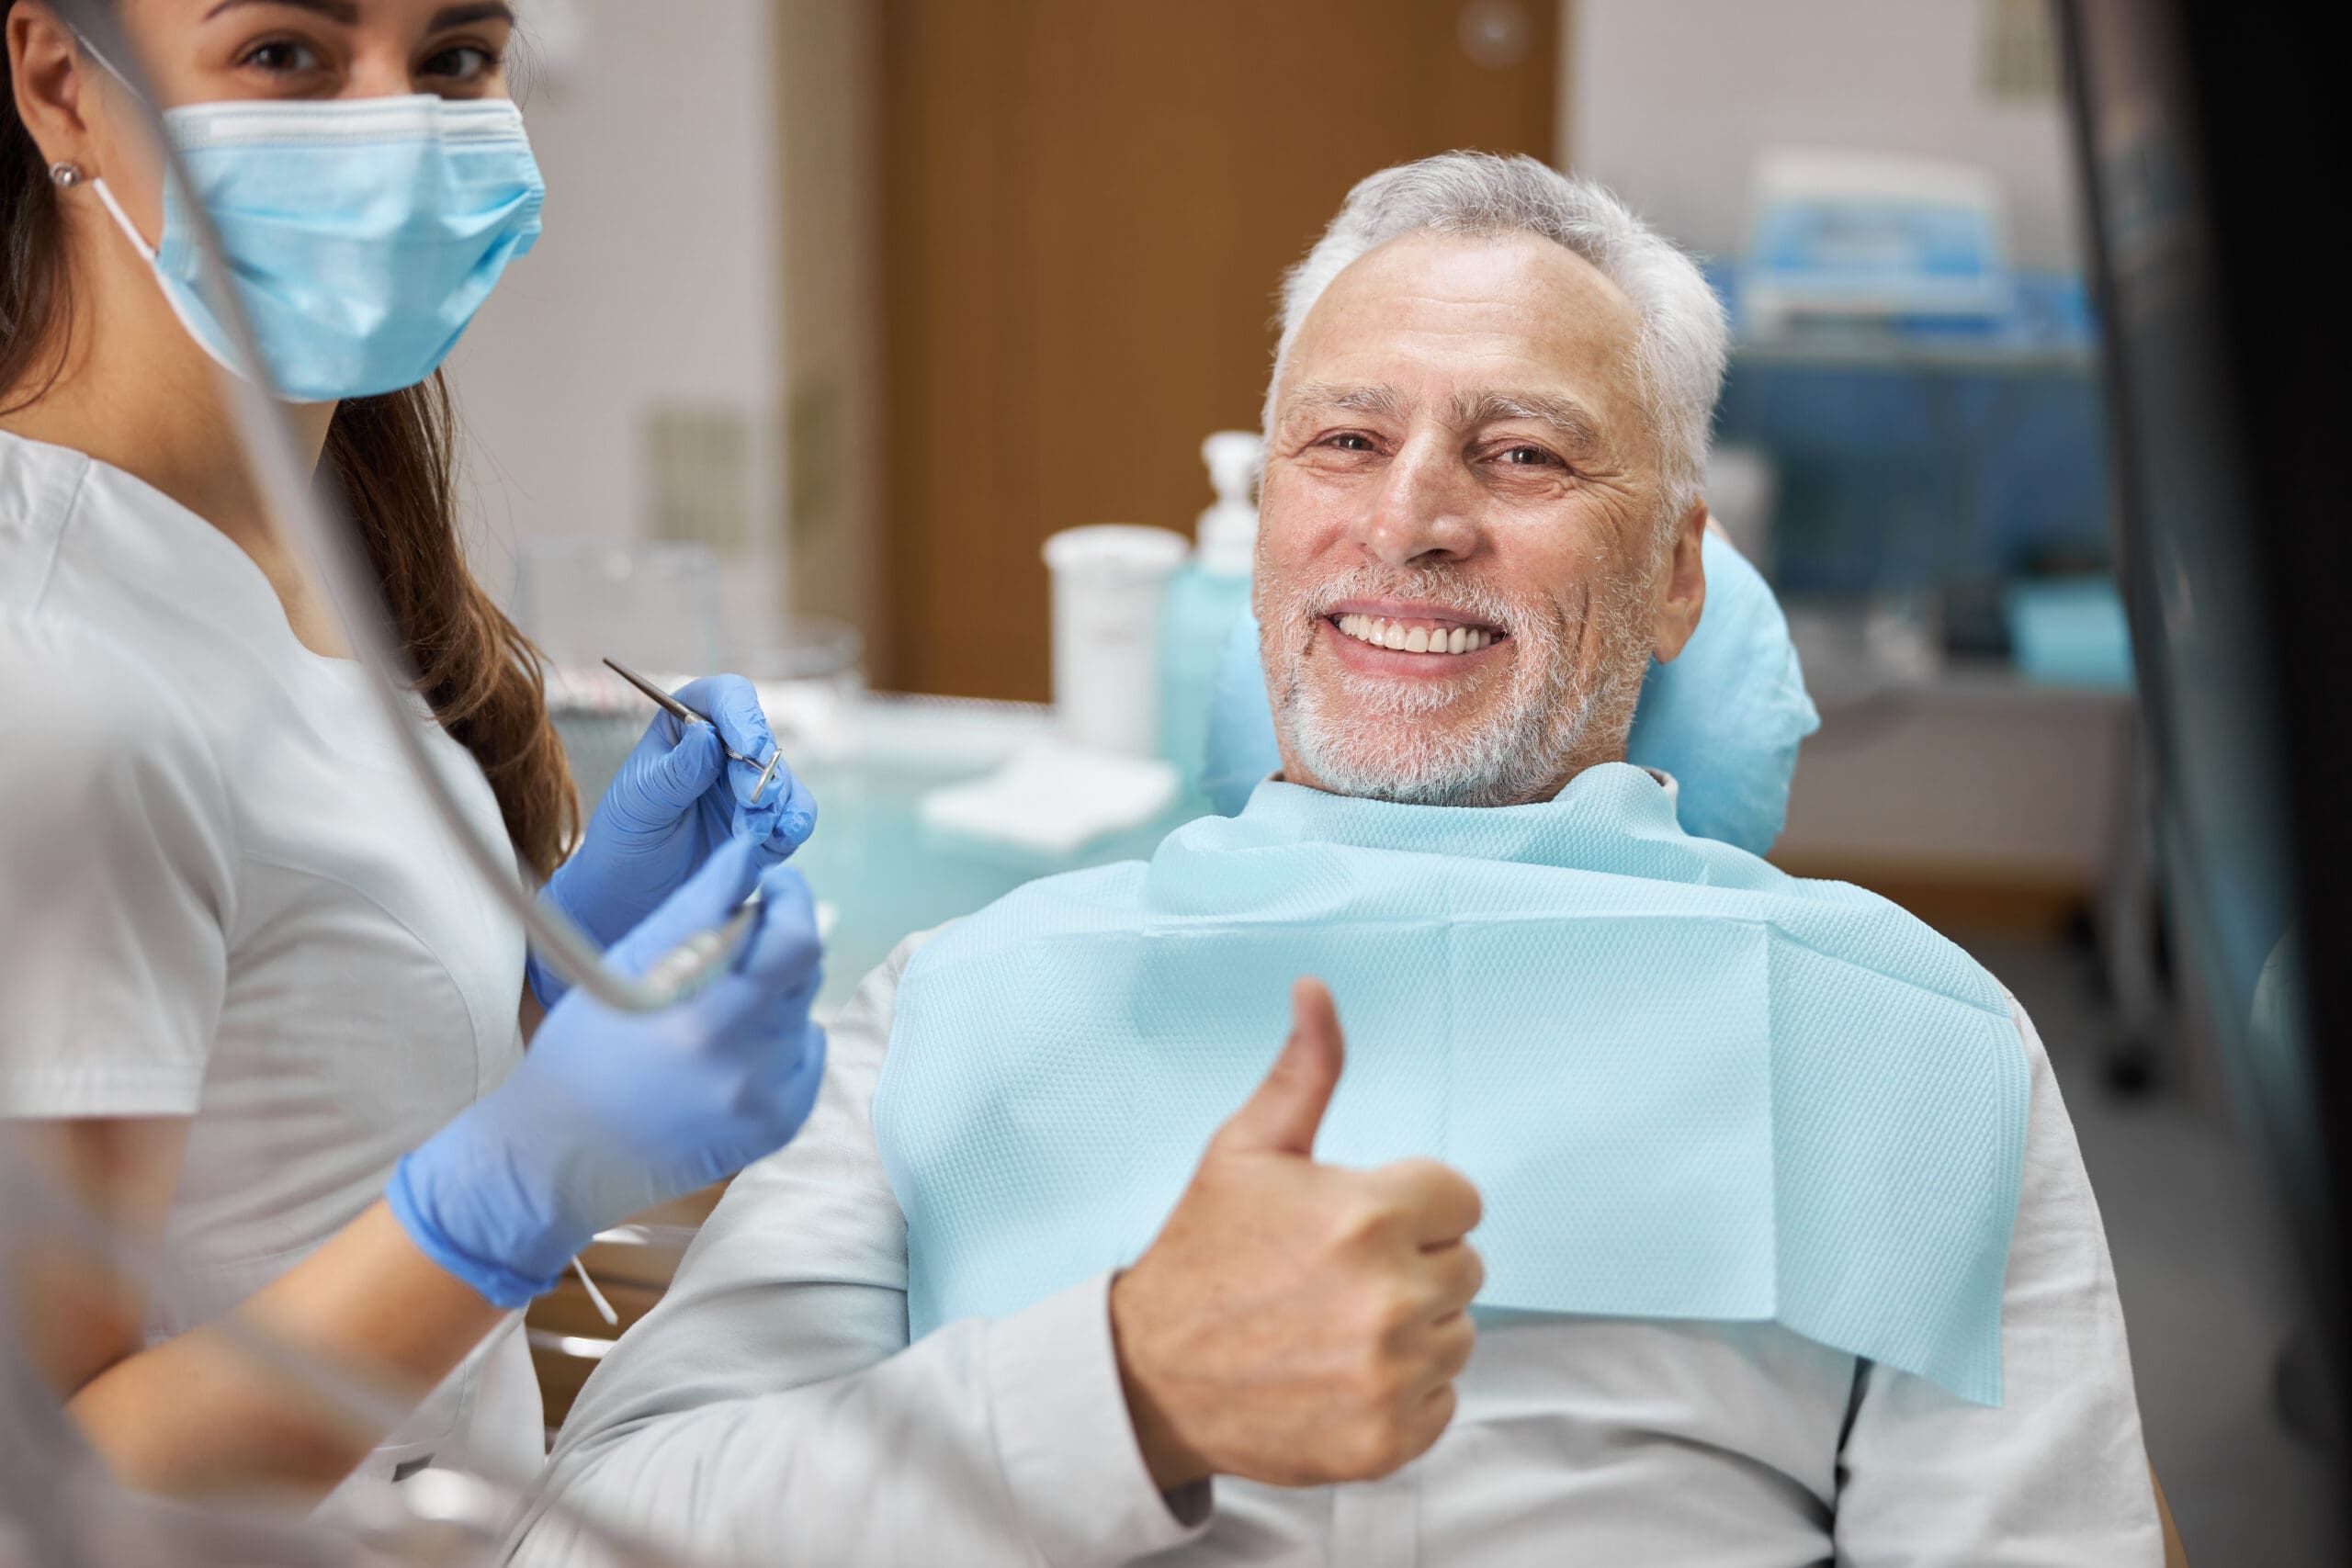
(1173, 1462)
(1065, 1441)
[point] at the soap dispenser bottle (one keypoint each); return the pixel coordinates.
(1204, 598)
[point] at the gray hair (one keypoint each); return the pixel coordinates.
(1679, 359)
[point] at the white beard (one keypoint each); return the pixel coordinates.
(1367, 735)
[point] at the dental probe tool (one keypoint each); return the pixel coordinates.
(686, 715)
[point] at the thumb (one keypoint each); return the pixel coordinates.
(1282, 1116)
(676, 779)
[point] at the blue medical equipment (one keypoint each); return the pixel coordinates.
(2070, 631)
(1860, 234)
(1205, 597)
(1688, 1085)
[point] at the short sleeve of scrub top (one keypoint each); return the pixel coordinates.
(224, 896)
(120, 888)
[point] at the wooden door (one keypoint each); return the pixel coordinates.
(1086, 207)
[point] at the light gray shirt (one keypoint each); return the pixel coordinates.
(771, 1410)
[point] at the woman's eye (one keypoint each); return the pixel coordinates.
(460, 62)
(283, 57)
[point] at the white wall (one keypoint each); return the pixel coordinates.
(828, 73)
(1667, 102)
(657, 281)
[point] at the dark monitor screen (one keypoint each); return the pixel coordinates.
(2209, 178)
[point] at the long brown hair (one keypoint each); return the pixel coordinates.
(393, 458)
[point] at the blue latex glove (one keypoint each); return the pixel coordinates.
(611, 1112)
(675, 800)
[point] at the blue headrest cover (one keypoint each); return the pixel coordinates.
(1726, 718)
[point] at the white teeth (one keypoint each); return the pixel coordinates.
(1381, 632)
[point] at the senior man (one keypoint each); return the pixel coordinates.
(1787, 1255)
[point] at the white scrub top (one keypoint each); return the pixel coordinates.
(226, 898)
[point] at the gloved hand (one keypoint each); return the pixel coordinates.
(675, 800)
(611, 1112)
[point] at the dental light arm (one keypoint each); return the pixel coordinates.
(330, 549)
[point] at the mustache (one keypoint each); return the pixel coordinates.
(1465, 596)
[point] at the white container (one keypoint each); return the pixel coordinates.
(1109, 582)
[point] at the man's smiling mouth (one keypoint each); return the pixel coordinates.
(1415, 634)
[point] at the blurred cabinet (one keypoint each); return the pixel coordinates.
(1975, 800)
(1086, 208)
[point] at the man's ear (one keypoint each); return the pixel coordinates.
(45, 74)
(1683, 586)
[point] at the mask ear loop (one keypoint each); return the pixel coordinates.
(147, 253)
(98, 182)
(123, 220)
(130, 232)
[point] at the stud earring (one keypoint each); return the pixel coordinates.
(65, 177)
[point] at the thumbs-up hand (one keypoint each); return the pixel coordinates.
(1297, 1324)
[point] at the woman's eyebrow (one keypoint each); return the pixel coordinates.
(460, 16)
(345, 12)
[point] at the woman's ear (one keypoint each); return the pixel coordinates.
(1682, 587)
(45, 71)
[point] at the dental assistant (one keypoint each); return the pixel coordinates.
(255, 1005)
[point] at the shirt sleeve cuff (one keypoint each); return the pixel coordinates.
(1067, 1444)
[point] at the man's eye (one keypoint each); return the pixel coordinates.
(1350, 442)
(1528, 456)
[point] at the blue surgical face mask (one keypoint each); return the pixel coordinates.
(363, 233)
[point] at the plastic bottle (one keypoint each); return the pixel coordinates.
(1109, 587)
(1204, 599)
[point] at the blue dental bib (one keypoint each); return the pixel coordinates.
(1687, 1084)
